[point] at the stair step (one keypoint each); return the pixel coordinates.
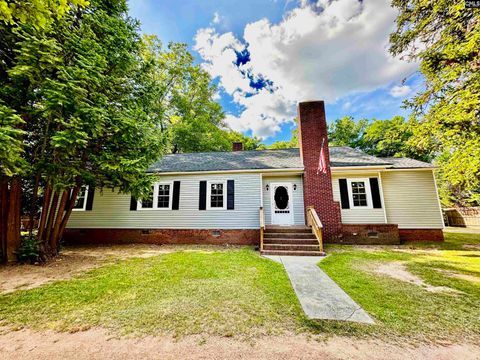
(292, 253)
(270, 235)
(290, 241)
(288, 229)
(299, 247)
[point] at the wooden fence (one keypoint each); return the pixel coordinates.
(462, 217)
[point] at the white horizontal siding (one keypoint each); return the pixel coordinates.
(298, 207)
(411, 199)
(112, 210)
(358, 216)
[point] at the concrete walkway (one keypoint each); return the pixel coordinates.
(320, 296)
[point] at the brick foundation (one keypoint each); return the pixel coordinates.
(317, 188)
(162, 236)
(421, 235)
(369, 234)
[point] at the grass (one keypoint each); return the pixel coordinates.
(402, 309)
(224, 293)
(237, 293)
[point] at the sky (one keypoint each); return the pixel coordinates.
(265, 56)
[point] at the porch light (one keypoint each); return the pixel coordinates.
(294, 187)
(267, 187)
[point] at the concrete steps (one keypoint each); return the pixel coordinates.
(290, 240)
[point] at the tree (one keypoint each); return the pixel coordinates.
(445, 37)
(383, 138)
(347, 132)
(391, 138)
(249, 143)
(191, 119)
(38, 13)
(81, 88)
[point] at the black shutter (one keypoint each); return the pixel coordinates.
(133, 203)
(202, 203)
(90, 195)
(344, 193)
(377, 201)
(176, 195)
(230, 194)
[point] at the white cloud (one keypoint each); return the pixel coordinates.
(323, 51)
(400, 91)
(216, 17)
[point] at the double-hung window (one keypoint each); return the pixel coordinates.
(160, 197)
(216, 195)
(81, 202)
(359, 193)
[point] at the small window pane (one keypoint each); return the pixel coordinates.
(359, 193)
(81, 198)
(163, 199)
(148, 202)
(216, 195)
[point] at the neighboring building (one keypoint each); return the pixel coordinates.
(215, 197)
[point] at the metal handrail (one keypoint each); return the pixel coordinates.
(262, 226)
(314, 221)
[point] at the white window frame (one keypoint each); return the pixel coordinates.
(367, 190)
(84, 207)
(209, 197)
(155, 197)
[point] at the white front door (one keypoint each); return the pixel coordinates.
(281, 203)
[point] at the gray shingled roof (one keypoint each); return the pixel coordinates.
(341, 156)
(230, 160)
(406, 163)
(347, 156)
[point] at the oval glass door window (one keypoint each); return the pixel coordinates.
(281, 198)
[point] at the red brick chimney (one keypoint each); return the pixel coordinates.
(237, 146)
(317, 188)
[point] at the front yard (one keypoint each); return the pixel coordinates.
(419, 292)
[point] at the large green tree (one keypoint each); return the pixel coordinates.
(184, 95)
(38, 13)
(383, 138)
(347, 132)
(80, 87)
(444, 37)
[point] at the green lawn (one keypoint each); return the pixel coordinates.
(407, 310)
(237, 293)
(227, 293)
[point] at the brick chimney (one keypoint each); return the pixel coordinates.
(237, 146)
(317, 188)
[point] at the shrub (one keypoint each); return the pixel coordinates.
(29, 250)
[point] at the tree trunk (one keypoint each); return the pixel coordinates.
(3, 217)
(47, 196)
(13, 218)
(54, 241)
(68, 211)
(33, 205)
(51, 210)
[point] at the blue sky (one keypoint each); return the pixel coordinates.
(266, 55)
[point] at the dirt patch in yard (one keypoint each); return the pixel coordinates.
(471, 278)
(398, 271)
(98, 344)
(75, 260)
